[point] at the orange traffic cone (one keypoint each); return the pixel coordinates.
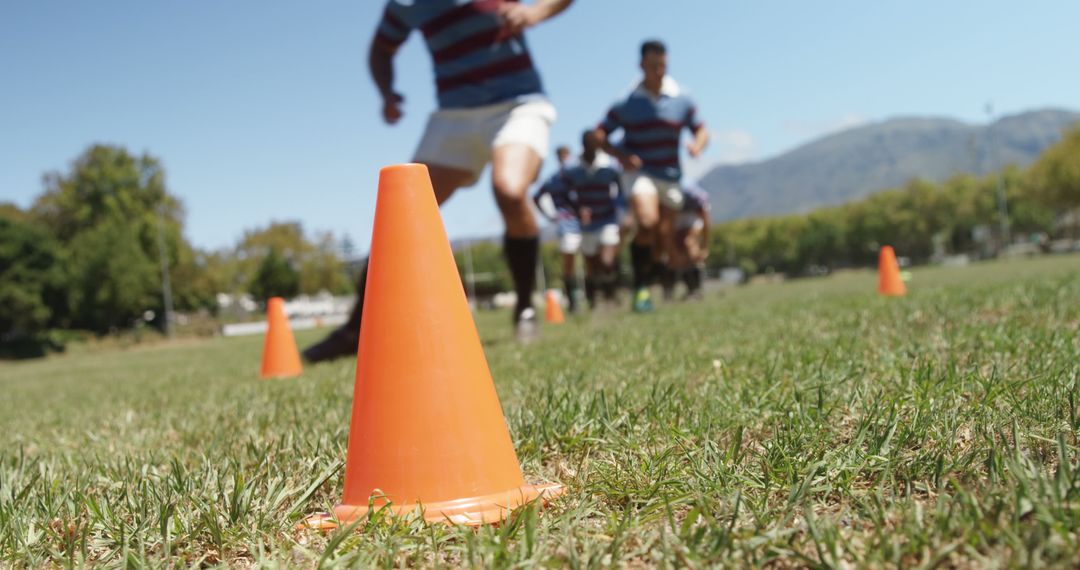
(427, 429)
(889, 282)
(280, 358)
(552, 308)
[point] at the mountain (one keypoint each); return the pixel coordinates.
(848, 165)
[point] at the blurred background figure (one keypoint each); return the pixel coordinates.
(652, 118)
(492, 108)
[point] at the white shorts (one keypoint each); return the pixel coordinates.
(641, 184)
(687, 221)
(589, 242)
(464, 138)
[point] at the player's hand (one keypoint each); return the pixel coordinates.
(586, 215)
(702, 255)
(631, 162)
(693, 149)
(391, 109)
(517, 17)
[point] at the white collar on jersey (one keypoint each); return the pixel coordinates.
(668, 87)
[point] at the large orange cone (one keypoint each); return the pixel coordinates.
(427, 428)
(280, 358)
(889, 282)
(552, 308)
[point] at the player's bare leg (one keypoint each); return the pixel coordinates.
(514, 167)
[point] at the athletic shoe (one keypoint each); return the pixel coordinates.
(643, 301)
(337, 344)
(526, 327)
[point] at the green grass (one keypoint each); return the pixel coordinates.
(807, 423)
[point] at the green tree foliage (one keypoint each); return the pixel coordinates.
(113, 280)
(32, 278)
(1055, 177)
(107, 210)
(320, 266)
(275, 277)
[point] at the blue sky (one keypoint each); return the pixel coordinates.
(264, 111)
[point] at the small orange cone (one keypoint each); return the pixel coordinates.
(280, 357)
(552, 308)
(889, 282)
(427, 428)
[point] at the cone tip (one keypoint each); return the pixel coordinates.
(403, 168)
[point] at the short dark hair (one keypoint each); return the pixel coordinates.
(586, 136)
(652, 46)
(562, 148)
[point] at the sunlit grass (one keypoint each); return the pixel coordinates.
(810, 422)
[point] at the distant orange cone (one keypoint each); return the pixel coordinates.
(552, 308)
(889, 282)
(427, 428)
(280, 358)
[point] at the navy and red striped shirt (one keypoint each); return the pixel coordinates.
(597, 187)
(477, 60)
(561, 198)
(652, 127)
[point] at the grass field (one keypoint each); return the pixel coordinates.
(809, 423)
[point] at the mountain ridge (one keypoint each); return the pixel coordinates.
(852, 163)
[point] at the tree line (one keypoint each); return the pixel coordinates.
(919, 219)
(88, 253)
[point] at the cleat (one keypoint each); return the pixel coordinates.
(643, 301)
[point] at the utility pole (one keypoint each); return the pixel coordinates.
(166, 287)
(1003, 207)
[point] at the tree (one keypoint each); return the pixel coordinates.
(323, 269)
(1055, 177)
(274, 278)
(32, 279)
(107, 211)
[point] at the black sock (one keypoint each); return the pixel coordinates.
(590, 291)
(668, 278)
(641, 260)
(521, 255)
(352, 326)
(570, 282)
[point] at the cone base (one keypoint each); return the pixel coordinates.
(474, 511)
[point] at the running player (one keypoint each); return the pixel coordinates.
(652, 118)
(555, 202)
(692, 240)
(596, 188)
(492, 108)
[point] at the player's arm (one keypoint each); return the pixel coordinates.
(697, 145)
(518, 16)
(701, 134)
(389, 35)
(544, 201)
(628, 160)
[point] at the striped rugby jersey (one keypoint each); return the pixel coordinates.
(477, 61)
(652, 126)
(595, 186)
(561, 198)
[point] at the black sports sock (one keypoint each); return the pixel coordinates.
(352, 326)
(641, 260)
(521, 255)
(590, 291)
(668, 278)
(570, 282)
